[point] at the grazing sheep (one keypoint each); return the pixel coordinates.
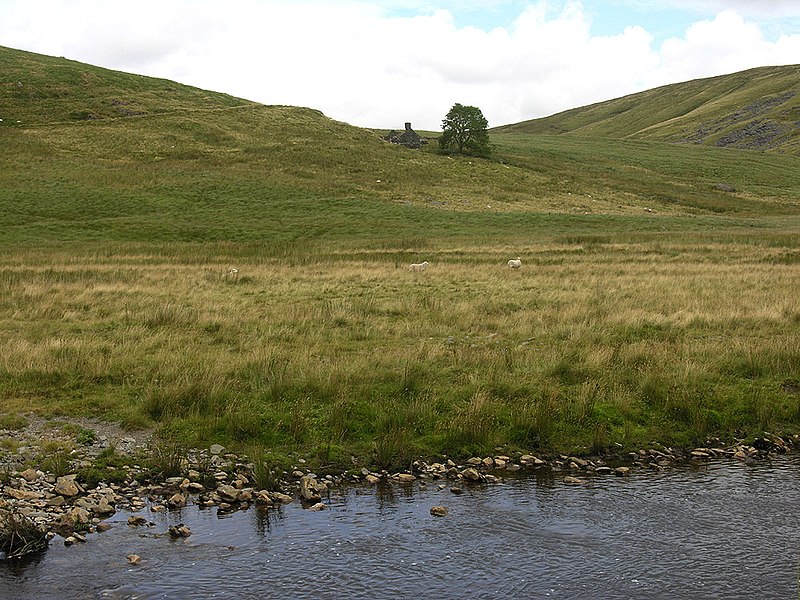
(419, 266)
(515, 263)
(233, 273)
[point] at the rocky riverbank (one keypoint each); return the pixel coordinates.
(68, 481)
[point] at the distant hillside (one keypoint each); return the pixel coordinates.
(88, 153)
(758, 109)
(36, 89)
(93, 155)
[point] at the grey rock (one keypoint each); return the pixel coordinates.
(281, 497)
(104, 508)
(67, 486)
(471, 474)
(228, 493)
(179, 531)
(308, 489)
(30, 475)
(177, 500)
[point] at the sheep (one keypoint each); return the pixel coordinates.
(232, 273)
(419, 266)
(515, 263)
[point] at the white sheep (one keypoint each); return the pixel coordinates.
(233, 273)
(515, 263)
(419, 266)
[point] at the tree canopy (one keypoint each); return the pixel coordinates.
(464, 130)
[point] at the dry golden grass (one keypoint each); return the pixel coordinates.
(585, 345)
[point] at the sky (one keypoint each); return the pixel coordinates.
(383, 63)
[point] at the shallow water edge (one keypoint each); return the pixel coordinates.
(719, 529)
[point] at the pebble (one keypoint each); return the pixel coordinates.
(179, 531)
(471, 474)
(30, 475)
(134, 521)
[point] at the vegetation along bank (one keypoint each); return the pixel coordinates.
(84, 478)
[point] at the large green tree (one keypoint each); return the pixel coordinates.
(464, 130)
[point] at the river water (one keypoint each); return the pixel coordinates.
(712, 530)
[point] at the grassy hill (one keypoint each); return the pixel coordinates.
(757, 109)
(653, 302)
(38, 89)
(93, 154)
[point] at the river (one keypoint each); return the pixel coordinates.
(712, 530)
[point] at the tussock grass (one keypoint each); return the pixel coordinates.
(19, 535)
(362, 357)
(166, 459)
(267, 471)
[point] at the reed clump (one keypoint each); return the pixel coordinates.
(19, 535)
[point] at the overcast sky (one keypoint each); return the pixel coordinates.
(379, 64)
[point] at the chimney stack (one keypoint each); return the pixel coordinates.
(408, 126)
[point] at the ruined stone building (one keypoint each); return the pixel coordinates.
(407, 138)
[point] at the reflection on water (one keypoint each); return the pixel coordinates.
(720, 530)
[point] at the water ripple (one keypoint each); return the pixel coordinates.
(719, 530)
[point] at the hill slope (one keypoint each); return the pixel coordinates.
(754, 109)
(89, 154)
(38, 89)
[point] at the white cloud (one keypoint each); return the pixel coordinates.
(770, 9)
(726, 44)
(362, 63)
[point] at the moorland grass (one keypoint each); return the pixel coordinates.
(338, 355)
(651, 305)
